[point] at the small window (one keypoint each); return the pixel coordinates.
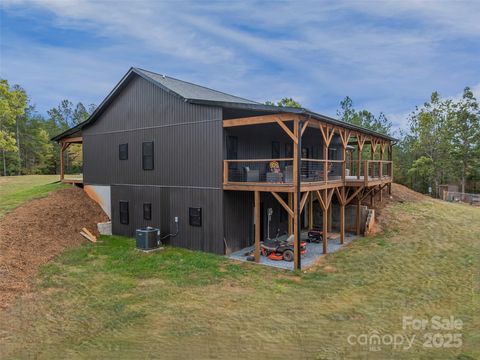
(124, 212)
(275, 150)
(195, 216)
(147, 211)
(147, 155)
(123, 151)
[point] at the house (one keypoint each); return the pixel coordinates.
(159, 149)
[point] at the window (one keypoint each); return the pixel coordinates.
(124, 212)
(123, 151)
(147, 155)
(275, 150)
(147, 211)
(195, 216)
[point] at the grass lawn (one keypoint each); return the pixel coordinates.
(108, 301)
(15, 190)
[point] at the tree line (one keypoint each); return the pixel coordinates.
(25, 146)
(441, 144)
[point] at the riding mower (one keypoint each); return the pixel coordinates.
(280, 248)
(277, 249)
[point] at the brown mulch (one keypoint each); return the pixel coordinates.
(37, 231)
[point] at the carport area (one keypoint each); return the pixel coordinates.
(311, 257)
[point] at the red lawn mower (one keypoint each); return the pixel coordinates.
(280, 248)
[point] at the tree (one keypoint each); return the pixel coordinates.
(363, 118)
(13, 102)
(285, 102)
(465, 123)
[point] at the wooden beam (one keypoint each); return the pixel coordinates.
(327, 134)
(329, 197)
(284, 205)
(255, 120)
(357, 218)
(304, 127)
(73, 140)
(373, 145)
(257, 226)
(325, 224)
(225, 171)
(310, 210)
(304, 200)
(290, 218)
(287, 130)
(320, 199)
(345, 137)
(296, 185)
(341, 195)
(62, 166)
(355, 193)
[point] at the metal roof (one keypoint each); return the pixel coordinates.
(190, 91)
(201, 95)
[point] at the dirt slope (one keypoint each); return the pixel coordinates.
(37, 231)
(400, 194)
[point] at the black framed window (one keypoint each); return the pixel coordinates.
(195, 216)
(275, 150)
(123, 152)
(147, 211)
(124, 216)
(147, 155)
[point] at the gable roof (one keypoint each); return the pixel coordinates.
(201, 95)
(189, 91)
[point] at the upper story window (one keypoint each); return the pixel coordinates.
(123, 152)
(147, 155)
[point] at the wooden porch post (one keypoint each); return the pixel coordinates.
(296, 195)
(290, 219)
(341, 200)
(360, 142)
(310, 211)
(257, 226)
(325, 221)
(390, 157)
(358, 215)
(382, 151)
(62, 170)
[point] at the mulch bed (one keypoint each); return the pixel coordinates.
(37, 231)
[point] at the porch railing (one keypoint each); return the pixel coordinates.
(258, 171)
(280, 171)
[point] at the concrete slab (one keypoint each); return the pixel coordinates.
(314, 252)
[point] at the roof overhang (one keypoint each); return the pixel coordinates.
(230, 105)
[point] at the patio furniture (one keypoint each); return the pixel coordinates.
(274, 177)
(250, 175)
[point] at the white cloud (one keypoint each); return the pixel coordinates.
(388, 56)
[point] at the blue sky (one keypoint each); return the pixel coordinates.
(387, 56)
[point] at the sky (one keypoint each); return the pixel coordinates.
(387, 56)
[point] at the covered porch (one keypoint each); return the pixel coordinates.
(65, 175)
(301, 160)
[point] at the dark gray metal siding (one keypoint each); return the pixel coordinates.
(187, 167)
(168, 203)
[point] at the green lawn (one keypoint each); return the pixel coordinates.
(108, 301)
(15, 190)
